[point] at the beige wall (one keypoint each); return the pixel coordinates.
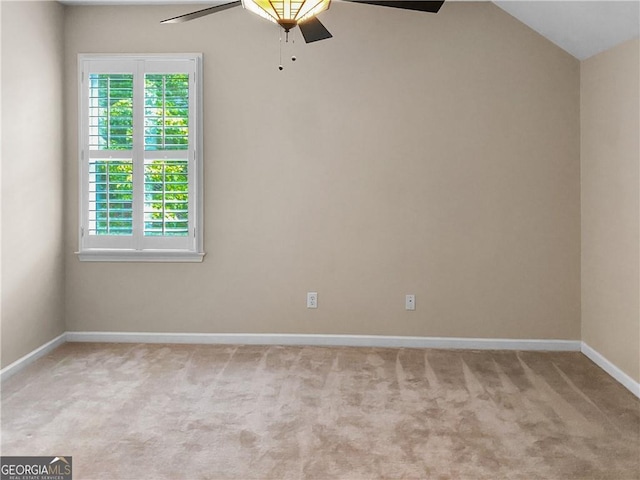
(32, 176)
(610, 147)
(428, 154)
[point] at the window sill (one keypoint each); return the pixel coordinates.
(121, 255)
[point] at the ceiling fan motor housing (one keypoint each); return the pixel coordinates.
(287, 24)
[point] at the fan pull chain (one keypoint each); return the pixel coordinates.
(286, 41)
(293, 47)
(280, 67)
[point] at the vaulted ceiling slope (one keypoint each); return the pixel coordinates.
(582, 28)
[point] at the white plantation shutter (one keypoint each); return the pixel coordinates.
(110, 197)
(166, 111)
(140, 144)
(166, 198)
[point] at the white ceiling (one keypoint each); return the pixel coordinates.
(582, 28)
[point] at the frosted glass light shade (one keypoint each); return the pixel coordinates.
(287, 13)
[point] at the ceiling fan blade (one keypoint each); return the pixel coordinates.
(312, 30)
(201, 13)
(420, 5)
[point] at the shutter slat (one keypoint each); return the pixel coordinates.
(110, 197)
(166, 186)
(166, 112)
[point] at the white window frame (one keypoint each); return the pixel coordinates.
(137, 247)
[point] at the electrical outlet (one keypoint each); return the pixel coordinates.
(312, 299)
(410, 302)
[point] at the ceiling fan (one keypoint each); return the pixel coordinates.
(302, 13)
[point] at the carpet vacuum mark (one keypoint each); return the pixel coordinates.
(132, 411)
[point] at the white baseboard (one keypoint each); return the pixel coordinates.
(21, 363)
(326, 340)
(611, 369)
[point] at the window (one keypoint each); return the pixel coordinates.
(141, 158)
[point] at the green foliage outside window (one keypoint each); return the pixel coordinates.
(166, 198)
(166, 112)
(111, 112)
(111, 210)
(166, 127)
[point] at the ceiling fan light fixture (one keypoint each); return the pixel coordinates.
(286, 13)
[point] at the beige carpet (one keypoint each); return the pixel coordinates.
(247, 412)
